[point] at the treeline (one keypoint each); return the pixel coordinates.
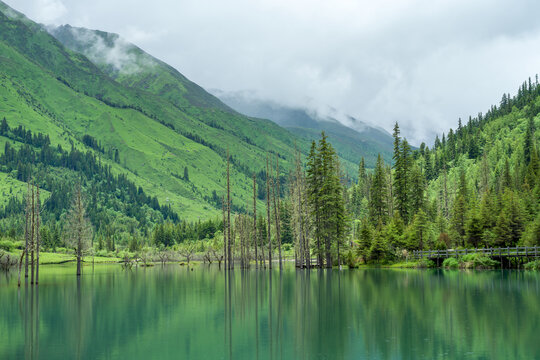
(478, 187)
(169, 234)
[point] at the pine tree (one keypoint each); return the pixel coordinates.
(474, 228)
(459, 213)
(528, 146)
(365, 236)
(418, 235)
(377, 201)
(379, 247)
(402, 164)
(417, 189)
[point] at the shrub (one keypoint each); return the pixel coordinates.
(425, 263)
(477, 261)
(533, 265)
(7, 261)
(103, 253)
(7, 245)
(451, 263)
(350, 260)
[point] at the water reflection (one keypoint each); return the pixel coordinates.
(171, 312)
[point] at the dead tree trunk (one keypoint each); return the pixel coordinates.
(255, 221)
(37, 235)
(277, 206)
(79, 231)
(224, 233)
(27, 231)
(268, 234)
(276, 217)
(32, 248)
(229, 250)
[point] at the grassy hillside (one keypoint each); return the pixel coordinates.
(152, 123)
(132, 67)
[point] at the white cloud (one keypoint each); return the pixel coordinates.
(423, 63)
(49, 11)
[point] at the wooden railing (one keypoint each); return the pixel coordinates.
(518, 251)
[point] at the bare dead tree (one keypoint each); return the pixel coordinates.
(79, 228)
(299, 214)
(27, 230)
(276, 212)
(255, 221)
(32, 243)
(37, 234)
(207, 256)
(164, 256)
(224, 232)
(268, 234)
(217, 256)
(229, 245)
(187, 249)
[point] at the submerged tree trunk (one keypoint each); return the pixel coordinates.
(224, 233)
(79, 231)
(255, 221)
(229, 245)
(20, 267)
(37, 235)
(268, 234)
(276, 213)
(27, 231)
(32, 238)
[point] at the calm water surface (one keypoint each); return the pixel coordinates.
(173, 313)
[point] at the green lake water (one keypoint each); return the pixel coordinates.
(173, 313)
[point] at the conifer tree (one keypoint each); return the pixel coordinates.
(377, 203)
(459, 213)
(364, 240)
(379, 246)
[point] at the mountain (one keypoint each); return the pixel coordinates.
(350, 143)
(134, 68)
(146, 142)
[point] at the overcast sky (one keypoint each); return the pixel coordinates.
(423, 63)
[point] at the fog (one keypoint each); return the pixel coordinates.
(421, 63)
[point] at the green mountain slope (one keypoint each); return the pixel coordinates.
(152, 124)
(132, 67)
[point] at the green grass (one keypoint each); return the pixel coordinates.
(49, 258)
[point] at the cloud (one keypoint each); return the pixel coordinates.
(109, 49)
(49, 11)
(423, 63)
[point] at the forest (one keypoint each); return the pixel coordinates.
(477, 186)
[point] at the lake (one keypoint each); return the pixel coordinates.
(170, 312)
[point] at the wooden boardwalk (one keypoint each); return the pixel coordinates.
(513, 252)
(508, 256)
